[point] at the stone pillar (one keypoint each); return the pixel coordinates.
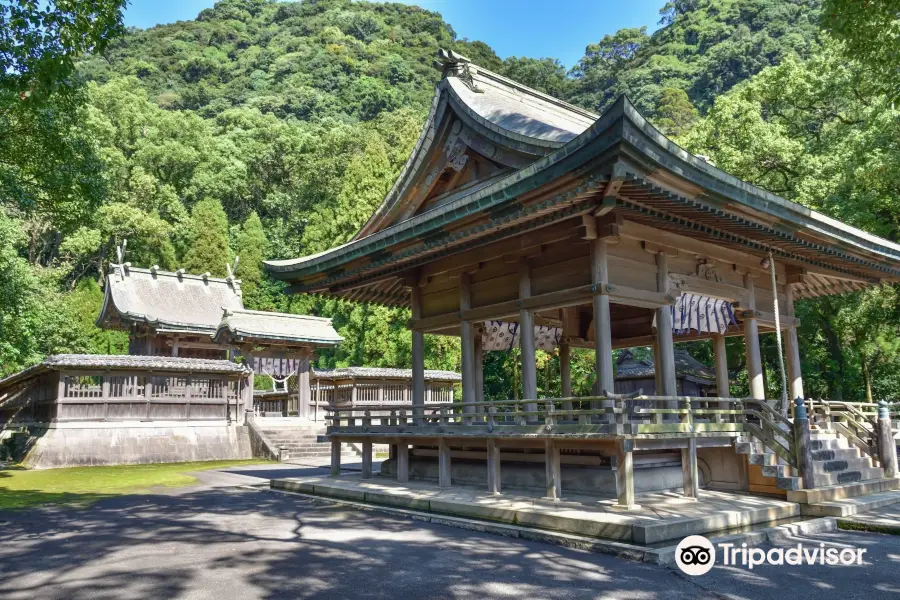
(625, 475)
(603, 360)
(565, 372)
(552, 470)
(443, 463)
(335, 458)
(887, 446)
(751, 340)
(367, 459)
(689, 471)
(792, 349)
(493, 467)
(402, 462)
(467, 345)
(418, 358)
(526, 342)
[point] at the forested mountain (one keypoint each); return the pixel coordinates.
(273, 129)
(703, 48)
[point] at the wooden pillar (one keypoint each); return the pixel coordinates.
(443, 463)
(665, 368)
(803, 445)
(493, 467)
(467, 345)
(335, 458)
(723, 386)
(792, 349)
(526, 341)
(303, 390)
(689, 471)
(479, 371)
(402, 462)
(418, 358)
(751, 341)
(251, 362)
(175, 346)
(603, 361)
(887, 446)
(657, 381)
(565, 372)
(552, 470)
(367, 459)
(625, 475)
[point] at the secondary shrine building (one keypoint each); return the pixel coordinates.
(522, 220)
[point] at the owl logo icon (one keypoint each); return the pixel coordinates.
(695, 555)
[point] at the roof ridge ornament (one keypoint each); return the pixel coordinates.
(453, 64)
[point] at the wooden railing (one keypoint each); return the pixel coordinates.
(616, 415)
(771, 428)
(854, 421)
(101, 394)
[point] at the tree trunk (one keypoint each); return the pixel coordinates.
(867, 377)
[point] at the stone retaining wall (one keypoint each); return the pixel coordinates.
(72, 445)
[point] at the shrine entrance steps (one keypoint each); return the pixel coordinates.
(293, 439)
(846, 480)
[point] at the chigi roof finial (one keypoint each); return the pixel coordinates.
(452, 64)
(120, 251)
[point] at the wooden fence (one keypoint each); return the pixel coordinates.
(124, 395)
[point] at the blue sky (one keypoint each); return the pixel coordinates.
(537, 28)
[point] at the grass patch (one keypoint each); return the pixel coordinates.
(22, 488)
(868, 527)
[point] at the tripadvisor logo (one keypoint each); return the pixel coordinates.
(696, 555)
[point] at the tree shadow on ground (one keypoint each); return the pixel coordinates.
(236, 543)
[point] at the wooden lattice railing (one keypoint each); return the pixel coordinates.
(588, 415)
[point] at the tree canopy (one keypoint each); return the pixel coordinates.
(268, 129)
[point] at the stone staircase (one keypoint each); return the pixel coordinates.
(782, 476)
(839, 469)
(296, 441)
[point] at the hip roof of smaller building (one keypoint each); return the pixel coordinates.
(686, 366)
(124, 363)
(257, 325)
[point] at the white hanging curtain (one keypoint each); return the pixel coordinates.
(502, 335)
(701, 314)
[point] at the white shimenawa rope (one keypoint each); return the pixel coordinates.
(785, 406)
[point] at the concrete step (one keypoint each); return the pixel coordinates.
(846, 507)
(289, 454)
(763, 459)
(829, 444)
(778, 471)
(823, 435)
(788, 483)
(835, 454)
(845, 477)
(844, 464)
(749, 448)
(837, 492)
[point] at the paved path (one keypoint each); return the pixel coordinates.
(217, 540)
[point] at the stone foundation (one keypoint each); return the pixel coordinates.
(599, 480)
(89, 444)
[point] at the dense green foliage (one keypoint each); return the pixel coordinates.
(705, 47)
(871, 31)
(267, 130)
